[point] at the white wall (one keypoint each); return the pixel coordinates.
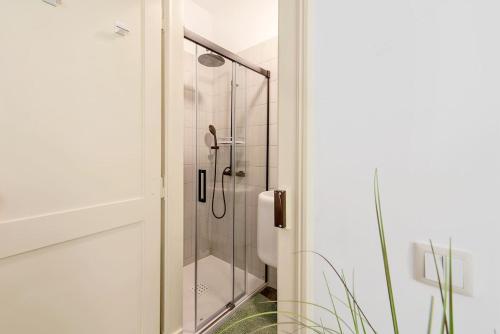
(198, 19)
(410, 87)
(233, 24)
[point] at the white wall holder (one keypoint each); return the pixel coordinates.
(121, 28)
(54, 3)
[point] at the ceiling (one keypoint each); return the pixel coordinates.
(235, 24)
(214, 6)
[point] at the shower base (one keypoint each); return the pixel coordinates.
(213, 290)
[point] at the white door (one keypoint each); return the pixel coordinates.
(79, 167)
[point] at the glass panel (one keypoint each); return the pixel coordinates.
(256, 146)
(214, 216)
(189, 183)
(226, 135)
(240, 176)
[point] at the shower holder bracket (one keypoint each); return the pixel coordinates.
(54, 3)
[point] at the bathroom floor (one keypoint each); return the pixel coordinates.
(214, 288)
(255, 305)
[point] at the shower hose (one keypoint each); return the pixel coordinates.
(213, 190)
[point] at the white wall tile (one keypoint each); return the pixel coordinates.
(273, 113)
(273, 135)
(257, 115)
(273, 156)
(273, 177)
(189, 173)
(273, 95)
(188, 155)
(188, 137)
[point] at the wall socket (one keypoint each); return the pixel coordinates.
(462, 267)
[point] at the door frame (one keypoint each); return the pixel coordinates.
(294, 163)
(172, 166)
(293, 170)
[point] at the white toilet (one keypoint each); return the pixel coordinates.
(267, 235)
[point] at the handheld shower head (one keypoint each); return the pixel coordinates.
(212, 130)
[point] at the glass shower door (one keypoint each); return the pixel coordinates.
(226, 167)
(240, 180)
(214, 277)
(222, 183)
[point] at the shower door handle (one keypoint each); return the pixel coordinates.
(202, 185)
(280, 208)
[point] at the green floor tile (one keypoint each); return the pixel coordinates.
(255, 305)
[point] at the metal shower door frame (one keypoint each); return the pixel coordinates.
(235, 61)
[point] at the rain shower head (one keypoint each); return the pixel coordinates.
(211, 60)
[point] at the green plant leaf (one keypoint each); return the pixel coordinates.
(383, 245)
(444, 323)
(315, 305)
(313, 328)
(322, 326)
(431, 315)
(296, 316)
(450, 287)
(333, 303)
(362, 321)
(351, 307)
(356, 310)
(329, 263)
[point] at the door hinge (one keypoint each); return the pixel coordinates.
(162, 187)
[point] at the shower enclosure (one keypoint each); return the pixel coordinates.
(226, 166)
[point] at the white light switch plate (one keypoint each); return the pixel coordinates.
(462, 267)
